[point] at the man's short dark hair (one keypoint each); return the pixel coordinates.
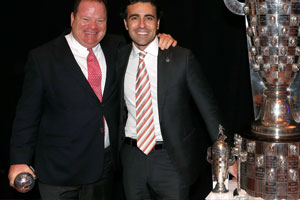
(77, 2)
(126, 3)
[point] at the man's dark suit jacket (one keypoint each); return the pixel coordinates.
(59, 119)
(184, 100)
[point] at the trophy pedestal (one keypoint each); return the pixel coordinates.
(272, 169)
(227, 196)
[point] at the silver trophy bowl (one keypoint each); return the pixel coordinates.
(272, 28)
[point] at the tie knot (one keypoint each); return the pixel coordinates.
(90, 50)
(142, 54)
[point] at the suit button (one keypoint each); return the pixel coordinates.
(101, 130)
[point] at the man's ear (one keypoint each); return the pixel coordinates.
(125, 23)
(72, 18)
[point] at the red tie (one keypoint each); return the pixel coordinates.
(94, 74)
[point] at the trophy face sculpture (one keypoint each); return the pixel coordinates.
(272, 168)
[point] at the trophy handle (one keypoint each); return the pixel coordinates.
(235, 6)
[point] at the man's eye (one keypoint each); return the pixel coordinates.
(100, 20)
(149, 18)
(133, 18)
(85, 19)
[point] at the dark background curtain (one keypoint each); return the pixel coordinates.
(215, 35)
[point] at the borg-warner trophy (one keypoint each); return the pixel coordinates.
(272, 168)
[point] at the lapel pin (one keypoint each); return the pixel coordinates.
(167, 59)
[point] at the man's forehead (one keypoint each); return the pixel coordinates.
(141, 10)
(140, 6)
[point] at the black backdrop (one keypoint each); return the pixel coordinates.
(215, 35)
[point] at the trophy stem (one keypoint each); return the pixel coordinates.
(276, 119)
(220, 188)
(276, 108)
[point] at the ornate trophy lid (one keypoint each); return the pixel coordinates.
(220, 144)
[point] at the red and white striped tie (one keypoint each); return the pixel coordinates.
(144, 111)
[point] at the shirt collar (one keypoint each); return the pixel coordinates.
(81, 48)
(151, 49)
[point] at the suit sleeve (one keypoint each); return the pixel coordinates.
(203, 95)
(28, 112)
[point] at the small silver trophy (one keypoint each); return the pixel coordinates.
(24, 182)
(219, 157)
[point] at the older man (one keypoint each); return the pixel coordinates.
(68, 115)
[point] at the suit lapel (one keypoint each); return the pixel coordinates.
(163, 68)
(65, 55)
(124, 58)
(110, 71)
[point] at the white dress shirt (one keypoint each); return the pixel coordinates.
(129, 88)
(80, 54)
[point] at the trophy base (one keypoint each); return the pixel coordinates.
(272, 168)
(274, 134)
(220, 188)
(241, 195)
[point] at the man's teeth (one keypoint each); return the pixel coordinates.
(93, 33)
(142, 33)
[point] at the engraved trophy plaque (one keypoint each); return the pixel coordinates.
(219, 157)
(272, 168)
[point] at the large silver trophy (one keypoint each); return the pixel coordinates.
(272, 168)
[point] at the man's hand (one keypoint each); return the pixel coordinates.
(233, 171)
(165, 41)
(15, 170)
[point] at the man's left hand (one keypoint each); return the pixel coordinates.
(165, 41)
(233, 171)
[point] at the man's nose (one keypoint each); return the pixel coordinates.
(93, 24)
(142, 23)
